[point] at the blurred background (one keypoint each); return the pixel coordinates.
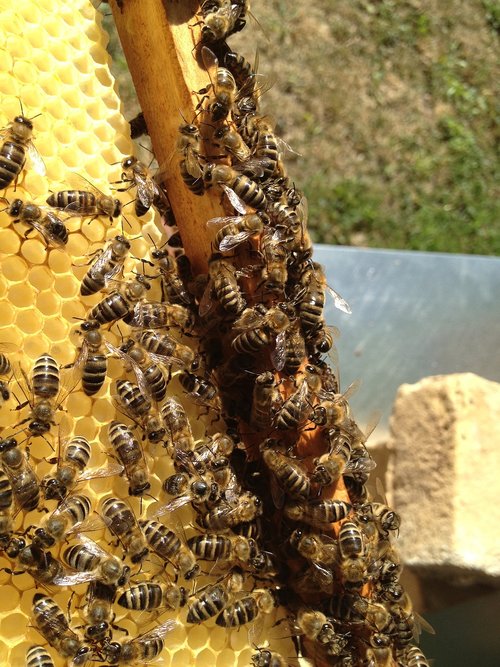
(391, 111)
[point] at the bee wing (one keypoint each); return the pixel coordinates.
(75, 578)
(351, 389)
(277, 493)
(45, 232)
(248, 319)
(255, 164)
(211, 63)
(9, 348)
(225, 220)
(255, 630)
(147, 189)
(422, 624)
(166, 360)
(109, 470)
(206, 302)
(193, 163)
(92, 547)
(36, 159)
(278, 354)
(80, 182)
(91, 523)
(234, 199)
(173, 505)
(156, 633)
(230, 242)
(339, 302)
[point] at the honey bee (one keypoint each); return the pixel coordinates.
(317, 512)
(222, 86)
(120, 303)
(91, 359)
(150, 377)
(173, 288)
(383, 518)
(189, 146)
(379, 652)
(93, 563)
(143, 649)
(140, 409)
(134, 402)
(414, 657)
(44, 385)
(260, 328)
(244, 72)
(329, 467)
(37, 656)
(295, 349)
(293, 412)
(46, 223)
(266, 658)
(274, 274)
(105, 266)
(316, 548)
(232, 143)
(70, 469)
(246, 609)
(221, 18)
(177, 425)
(235, 230)
(207, 604)
(165, 349)
(89, 202)
(246, 508)
(158, 315)
(213, 547)
(148, 595)
(40, 564)
(238, 187)
(131, 455)
(98, 610)
(67, 518)
(265, 146)
(223, 287)
(319, 628)
(291, 477)
(209, 454)
(122, 523)
(199, 490)
(17, 143)
(5, 369)
(333, 411)
(353, 551)
(6, 501)
(200, 389)
(266, 400)
(165, 544)
(23, 480)
(52, 624)
(148, 192)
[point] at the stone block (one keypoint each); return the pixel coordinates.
(444, 476)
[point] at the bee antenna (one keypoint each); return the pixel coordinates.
(126, 220)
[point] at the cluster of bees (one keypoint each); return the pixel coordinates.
(276, 522)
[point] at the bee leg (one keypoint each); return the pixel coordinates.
(119, 627)
(12, 572)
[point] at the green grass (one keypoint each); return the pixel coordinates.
(396, 117)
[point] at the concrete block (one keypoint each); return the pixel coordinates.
(444, 476)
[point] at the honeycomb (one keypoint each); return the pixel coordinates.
(54, 62)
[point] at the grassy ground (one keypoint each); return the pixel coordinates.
(391, 104)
